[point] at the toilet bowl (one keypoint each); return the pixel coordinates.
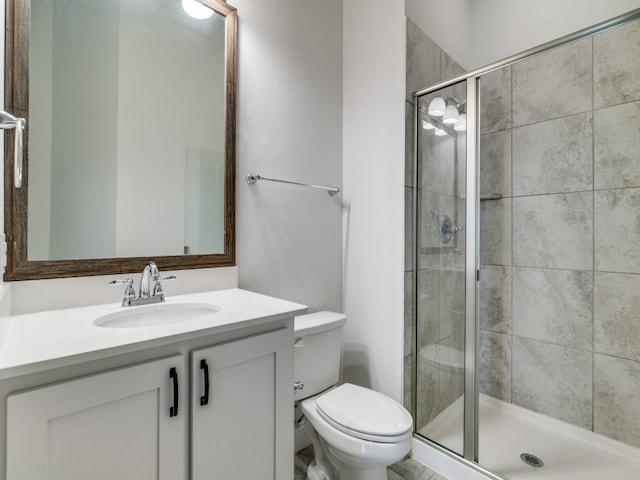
(356, 432)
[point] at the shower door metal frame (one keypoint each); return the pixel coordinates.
(472, 277)
(472, 239)
(472, 333)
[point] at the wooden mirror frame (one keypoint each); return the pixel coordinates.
(15, 206)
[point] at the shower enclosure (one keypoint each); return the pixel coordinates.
(526, 201)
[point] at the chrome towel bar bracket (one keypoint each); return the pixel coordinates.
(253, 178)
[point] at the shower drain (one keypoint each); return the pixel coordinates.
(531, 460)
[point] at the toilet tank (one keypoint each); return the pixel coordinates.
(317, 351)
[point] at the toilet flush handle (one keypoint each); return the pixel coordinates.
(298, 343)
(297, 386)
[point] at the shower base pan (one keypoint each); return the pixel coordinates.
(507, 432)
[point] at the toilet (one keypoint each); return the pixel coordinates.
(356, 432)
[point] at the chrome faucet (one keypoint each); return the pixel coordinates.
(150, 273)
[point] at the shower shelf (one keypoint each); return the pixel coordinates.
(490, 196)
(486, 196)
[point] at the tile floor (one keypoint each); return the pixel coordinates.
(404, 470)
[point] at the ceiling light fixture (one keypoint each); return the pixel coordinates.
(196, 9)
(461, 124)
(450, 115)
(453, 115)
(437, 107)
(427, 126)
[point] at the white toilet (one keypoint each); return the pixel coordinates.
(356, 432)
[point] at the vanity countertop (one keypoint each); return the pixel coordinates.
(39, 341)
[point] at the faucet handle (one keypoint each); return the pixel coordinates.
(129, 291)
(157, 288)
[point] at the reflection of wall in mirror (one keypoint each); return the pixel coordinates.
(70, 147)
(204, 201)
(129, 110)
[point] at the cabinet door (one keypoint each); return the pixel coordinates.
(244, 429)
(114, 425)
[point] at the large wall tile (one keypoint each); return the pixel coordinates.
(617, 230)
(617, 146)
(553, 84)
(423, 60)
(616, 65)
(495, 100)
(428, 314)
(427, 391)
(495, 365)
(429, 245)
(461, 165)
(449, 68)
(553, 380)
(409, 137)
(407, 383)
(495, 163)
(437, 163)
(616, 399)
(408, 229)
(555, 306)
(452, 301)
(495, 298)
(617, 315)
(554, 231)
(495, 232)
(553, 156)
(409, 312)
(451, 360)
(432, 252)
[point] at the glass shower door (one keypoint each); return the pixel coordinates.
(441, 266)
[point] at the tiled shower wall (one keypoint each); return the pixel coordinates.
(560, 253)
(427, 64)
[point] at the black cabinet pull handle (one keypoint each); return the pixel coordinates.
(173, 374)
(204, 399)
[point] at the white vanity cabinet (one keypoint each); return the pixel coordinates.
(126, 424)
(87, 401)
(242, 413)
(233, 410)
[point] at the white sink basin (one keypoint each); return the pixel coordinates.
(156, 315)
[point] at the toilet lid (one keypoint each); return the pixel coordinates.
(364, 413)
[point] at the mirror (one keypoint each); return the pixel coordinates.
(130, 139)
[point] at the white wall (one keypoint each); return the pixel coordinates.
(172, 43)
(290, 127)
(289, 241)
(500, 28)
(41, 77)
(373, 148)
(83, 131)
(120, 167)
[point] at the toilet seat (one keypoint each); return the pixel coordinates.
(365, 414)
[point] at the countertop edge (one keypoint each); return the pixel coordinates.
(286, 310)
